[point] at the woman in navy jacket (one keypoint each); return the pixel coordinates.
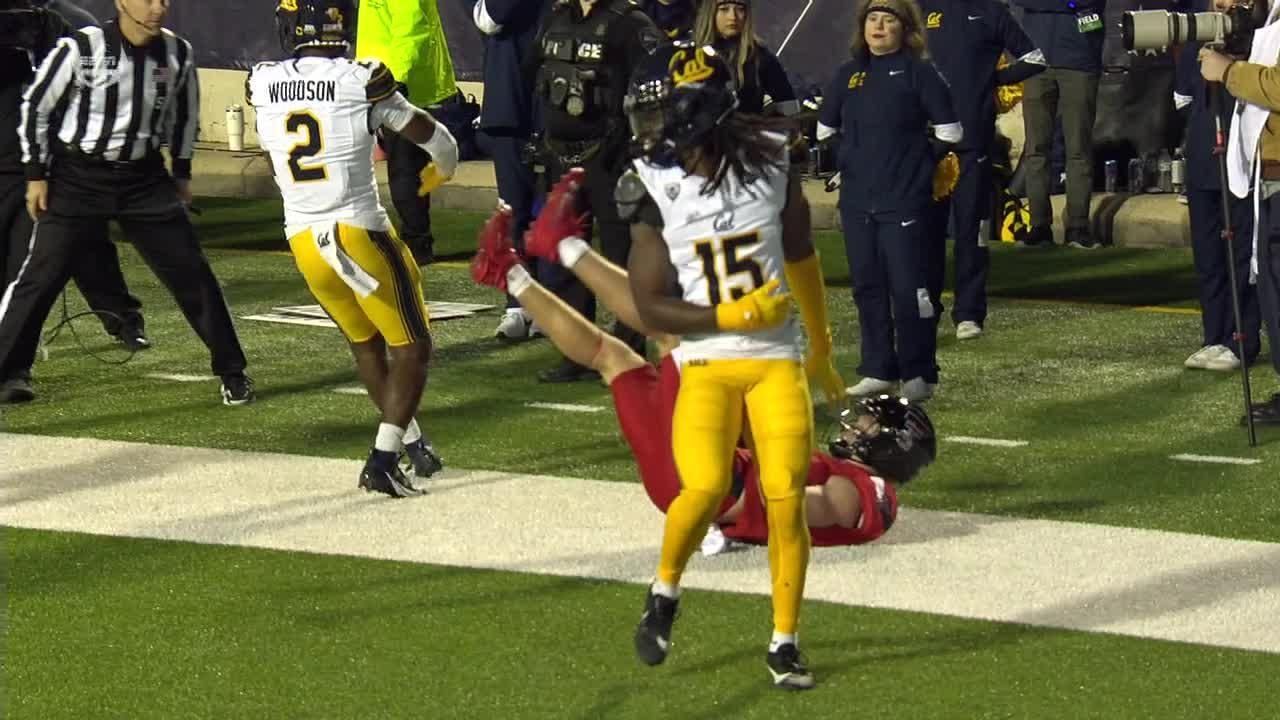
(895, 116)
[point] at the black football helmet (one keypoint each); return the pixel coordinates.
(315, 23)
(898, 444)
(676, 96)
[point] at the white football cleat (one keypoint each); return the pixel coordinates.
(513, 327)
(714, 542)
(870, 386)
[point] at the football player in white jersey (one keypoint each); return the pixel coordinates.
(713, 202)
(316, 116)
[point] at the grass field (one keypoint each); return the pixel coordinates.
(1082, 360)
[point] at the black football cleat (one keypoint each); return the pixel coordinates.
(381, 474)
(653, 634)
(788, 668)
(237, 389)
(421, 458)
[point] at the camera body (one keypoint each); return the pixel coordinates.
(1232, 31)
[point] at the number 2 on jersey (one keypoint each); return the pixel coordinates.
(295, 123)
(733, 265)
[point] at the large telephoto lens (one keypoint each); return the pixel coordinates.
(1156, 29)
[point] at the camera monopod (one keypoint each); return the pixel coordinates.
(1215, 92)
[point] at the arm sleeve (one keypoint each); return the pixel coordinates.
(186, 121)
(1029, 60)
(833, 99)
(936, 98)
(1255, 84)
(52, 82)
(642, 37)
(392, 112)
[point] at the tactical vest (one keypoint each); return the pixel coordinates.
(574, 76)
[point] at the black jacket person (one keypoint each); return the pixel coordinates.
(582, 61)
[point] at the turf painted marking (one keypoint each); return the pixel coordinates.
(566, 407)
(178, 377)
(1117, 580)
(1219, 459)
(351, 391)
(988, 442)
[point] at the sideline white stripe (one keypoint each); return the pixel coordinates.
(179, 377)
(1220, 459)
(989, 442)
(1118, 580)
(566, 407)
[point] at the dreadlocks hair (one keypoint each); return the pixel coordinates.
(742, 143)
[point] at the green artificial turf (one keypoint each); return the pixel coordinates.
(117, 628)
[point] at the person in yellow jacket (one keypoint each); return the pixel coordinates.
(408, 37)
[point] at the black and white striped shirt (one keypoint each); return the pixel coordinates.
(98, 95)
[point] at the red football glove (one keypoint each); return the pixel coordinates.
(494, 253)
(559, 218)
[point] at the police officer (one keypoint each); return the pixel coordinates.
(97, 270)
(882, 103)
(1204, 201)
(585, 55)
(674, 18)
(506, 121)
(93, 120)
(966, 39)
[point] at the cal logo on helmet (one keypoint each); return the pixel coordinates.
(689, 67)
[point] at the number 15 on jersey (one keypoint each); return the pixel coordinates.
(724, 266)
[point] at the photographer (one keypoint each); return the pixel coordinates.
(1253, 157)
(27, 34)
(1204, 200)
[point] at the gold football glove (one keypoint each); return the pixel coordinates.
(945, 176)
(759, 309)
(431, 178)
(819, 367)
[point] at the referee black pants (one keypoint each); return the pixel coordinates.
(96, 270)
(141, 196)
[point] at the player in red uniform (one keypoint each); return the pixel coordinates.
(882, 442)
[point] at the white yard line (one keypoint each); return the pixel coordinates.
(354, 390)
(1142, 583)
(566, 407)
(178, 377)
(1214, 459)
(988, 442)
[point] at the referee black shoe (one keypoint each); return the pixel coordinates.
(132, 338)
(237, 389)
(17, 390)
(788, 668)
(653, 634)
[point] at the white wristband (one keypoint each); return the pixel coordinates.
(518, 280)
(571, 251)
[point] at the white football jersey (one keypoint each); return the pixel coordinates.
(723, 246)
(317, 117)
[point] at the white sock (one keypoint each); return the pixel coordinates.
(780, 639)
(390, 438)
(571, 251)
(665, 590)
(413, 433)
(518, 280)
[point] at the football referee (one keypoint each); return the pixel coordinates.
(92, 124)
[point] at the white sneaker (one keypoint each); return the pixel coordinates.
(514, 326)
(869, 386)
(1200, 357)
(968, 330)
(1224, 360)
(917, 390)
(714, 542)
